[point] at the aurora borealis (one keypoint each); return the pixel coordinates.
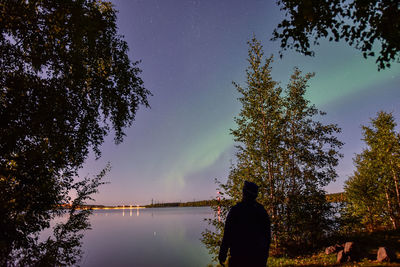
(191, 51)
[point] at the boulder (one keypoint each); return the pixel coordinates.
(386, 254)
(341, 257)
(349, 247)
(333, 249)
(352, 251)
(348, 252)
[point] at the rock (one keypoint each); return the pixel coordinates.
(348, 252)
(349, 247)
(330, 250)
(352, 252)
(386, 254)
(333, 249)
(341, 257)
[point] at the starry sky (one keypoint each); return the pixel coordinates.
(190, 53)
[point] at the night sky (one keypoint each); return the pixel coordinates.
(191, 51)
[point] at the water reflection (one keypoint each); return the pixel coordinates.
(137, 208)
(154, 237)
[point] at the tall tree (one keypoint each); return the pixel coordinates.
(378, 167)
(285, 151)
(65, 82)
(367, 25)
(309, 155)
(363, 197)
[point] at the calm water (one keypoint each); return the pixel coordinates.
(148, 237)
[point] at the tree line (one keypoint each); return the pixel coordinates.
(200, 203)
(334, 197)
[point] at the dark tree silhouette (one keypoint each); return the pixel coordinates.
(367, 25)
(65, 82)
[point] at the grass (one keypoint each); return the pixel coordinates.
(322, 259)
(368, 242)
(314, 260)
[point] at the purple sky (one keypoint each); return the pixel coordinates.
(191, 51)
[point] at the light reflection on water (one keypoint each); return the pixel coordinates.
(147, 237)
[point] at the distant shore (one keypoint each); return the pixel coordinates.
(103, 207)
(334, 197)
(119, 208)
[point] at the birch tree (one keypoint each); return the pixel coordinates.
(284, 150)
(378, 167)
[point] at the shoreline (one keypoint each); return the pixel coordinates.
(118, 208)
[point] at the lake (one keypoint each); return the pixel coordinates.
(147, 237)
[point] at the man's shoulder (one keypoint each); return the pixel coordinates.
(246, 205)
(236, 208)
(260, 208)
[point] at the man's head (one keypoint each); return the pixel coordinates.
(250, 190)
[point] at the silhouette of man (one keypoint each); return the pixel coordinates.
(247, 232)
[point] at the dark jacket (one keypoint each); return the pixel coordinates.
(247, 234)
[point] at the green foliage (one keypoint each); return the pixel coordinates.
(336, 197)
(63, 248)
(281, 148)
(372, 192)
(362, 24)
(65, 82)
(212, 237)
